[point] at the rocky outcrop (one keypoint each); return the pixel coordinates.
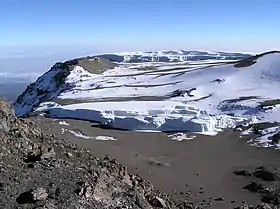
(265, 183)
(55, 81)
(42, 171)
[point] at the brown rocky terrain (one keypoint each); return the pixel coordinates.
(42, 171)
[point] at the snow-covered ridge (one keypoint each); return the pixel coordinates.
(60, 78)
(195, 96)
(174, 56)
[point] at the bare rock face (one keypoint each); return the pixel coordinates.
(39, 194)
(265, 174)
(42, 171)
(7, 115)
(6, 108)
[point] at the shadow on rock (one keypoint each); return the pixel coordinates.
(25, 198)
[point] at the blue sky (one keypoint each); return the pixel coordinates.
(91, 26)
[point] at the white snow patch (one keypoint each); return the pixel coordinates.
(46, 106)
(247, 132)
(181, 136)
(81, 135)
(63, 130)
(105, 138)
(76, 133)
(64, 123)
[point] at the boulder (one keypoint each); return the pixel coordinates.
(39, 194)
(254, 187)
(266, 174)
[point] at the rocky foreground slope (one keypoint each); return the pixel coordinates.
(42, 171)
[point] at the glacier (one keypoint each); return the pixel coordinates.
(165, 116)
(194, 96)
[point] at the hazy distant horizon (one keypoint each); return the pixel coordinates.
(78, 51)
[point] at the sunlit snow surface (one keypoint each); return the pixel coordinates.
(203, 97)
